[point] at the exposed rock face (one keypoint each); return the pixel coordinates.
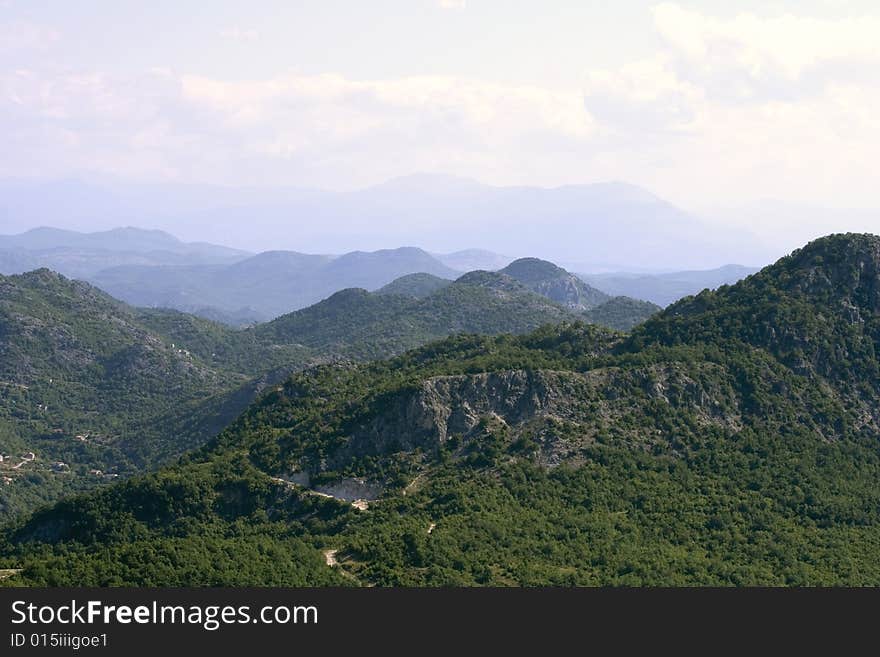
(352, 489)
(555, 283)
(532, 403)
(568, 291)
(842, 268)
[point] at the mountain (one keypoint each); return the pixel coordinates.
(414, 285)
(373, 270)
(586, 223)
(91, 382)
(621, 313)
(84, 254)
(732, 439)
(473, 259)
(664, 289)
(354, 323)
(85, 382)
(555, 283)
(263, 286)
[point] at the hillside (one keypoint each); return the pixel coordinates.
(732, 439)
(621, 313)
(414, 285)
(358, 324)
(85, 383)
(555, 283)
(97, 385)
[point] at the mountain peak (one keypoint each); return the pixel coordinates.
(840, 267)
(555, 283)
(533, 270)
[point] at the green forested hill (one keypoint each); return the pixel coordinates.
(93, 384)
(359, 324)
(621, 313)
(732, 439)
(415, 285)
(86, 386)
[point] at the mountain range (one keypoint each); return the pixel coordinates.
(263, 286)
(81, 255)
(155, 269)
(666, 288)
(730, 439)
(599, 224)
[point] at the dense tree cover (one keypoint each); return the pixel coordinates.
(85, 383)
(415, 285)
(359, 324)
(621, 313)
(144, 385)
(732, 439)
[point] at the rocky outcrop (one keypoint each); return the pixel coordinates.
(528, 402)
(555, 283)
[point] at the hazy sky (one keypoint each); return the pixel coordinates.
(704, 103)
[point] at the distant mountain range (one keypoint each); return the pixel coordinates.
(266, 285)
(82, 255)
(612, 225)
(664, 289)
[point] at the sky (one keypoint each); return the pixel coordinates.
(707, 104)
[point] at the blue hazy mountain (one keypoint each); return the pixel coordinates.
(612, 222)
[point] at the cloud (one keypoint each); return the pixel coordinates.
(452, 4)
(745, 106)
(641, 98)
(236, 33)
(753, 57)
(307, 129)
(725, 108)
(23, 36)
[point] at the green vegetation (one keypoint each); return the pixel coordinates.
(86, 387)
(362, 325)
(415, 285)
(264, 286)
(730, 440)
(621, 313)
(91, 383)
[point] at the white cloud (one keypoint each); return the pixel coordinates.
(746, 106)
(750, 56)
(779, 106)
(320, 129)
(642, 97)
(452, 4)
